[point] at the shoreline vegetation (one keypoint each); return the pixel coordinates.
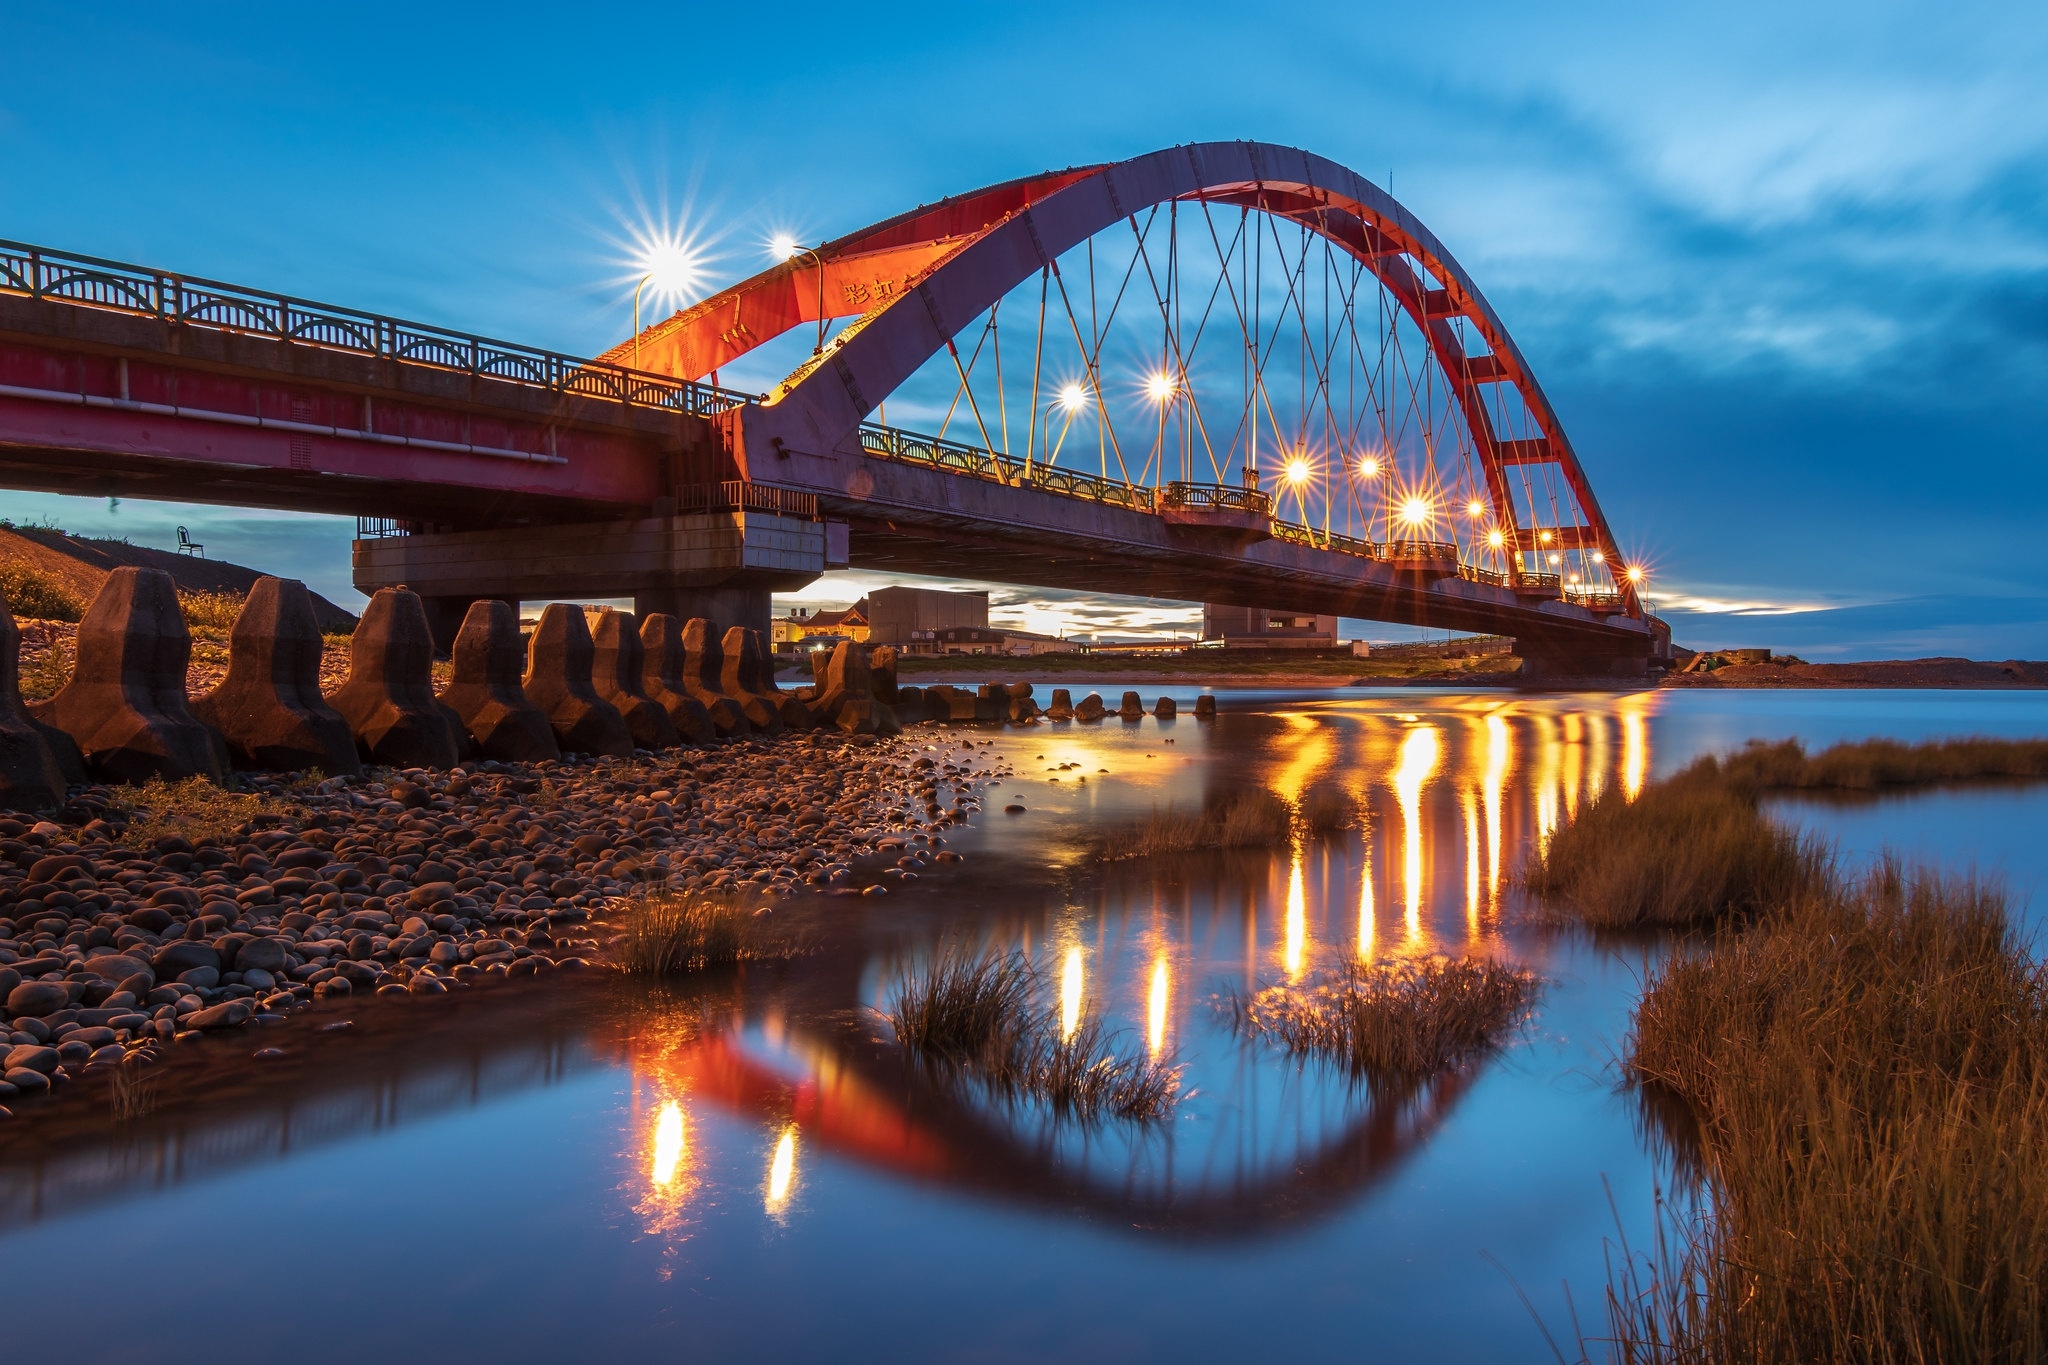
(1850, 1074)
(982, 1016)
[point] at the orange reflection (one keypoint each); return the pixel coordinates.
(1472, 905)
(1155, 1007)
(668, 1144)
(1297, 921)
(782, 1172)
(1418, 760)
(1366, 927)
(1635, 745)
(1070, 994)
(1497, 756)
(1574, 760)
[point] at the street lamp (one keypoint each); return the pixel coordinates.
(672, 268)
(787, 248)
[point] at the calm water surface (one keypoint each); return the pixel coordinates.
(749, 1169)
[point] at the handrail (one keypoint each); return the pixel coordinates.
(736, 495)
(1219, 496)
(91, 282)
(889, 443)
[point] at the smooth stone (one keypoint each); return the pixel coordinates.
(37, 998)
(33, 1056)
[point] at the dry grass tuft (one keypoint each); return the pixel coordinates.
(1876, 763)
(210, 613)
(1686, 852)
(1865, 1073)
(1392, 1022)
(1325, 807)
(31, 594)
(1252, 819)
(669, 934)
(981, 1015)
(193, 809)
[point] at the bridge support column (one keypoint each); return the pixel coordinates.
(721, 565)
(1577, 663)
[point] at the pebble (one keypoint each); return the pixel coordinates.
(419, 883)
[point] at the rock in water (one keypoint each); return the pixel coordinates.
(125, 705)
(269, 708)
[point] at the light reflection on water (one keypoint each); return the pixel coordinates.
(751, 1169)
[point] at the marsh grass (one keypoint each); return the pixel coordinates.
(44, 675)
(1326, 808)
(1865, 1073)
(210, 613)
(981, 1015)
(1250, 819)
(666, 933)
(1687, 852)
(1393, 1021)
(193, 809)
(132, 1091)
(1697, 849)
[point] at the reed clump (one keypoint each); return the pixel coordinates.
(1865, 1073)
(193, 809)
(1326, 808)
(983, 1015)
(1871, 764)
(1689, 851)
(1250, 819)
(1392, 1021)
(667, 933)
(210, 613)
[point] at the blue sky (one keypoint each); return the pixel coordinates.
(1783, 269)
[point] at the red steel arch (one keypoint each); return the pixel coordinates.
(914, 281)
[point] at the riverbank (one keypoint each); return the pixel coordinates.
(164, 913)
(1213, 668)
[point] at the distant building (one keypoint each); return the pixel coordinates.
(791, 631)
(1258, 628)
(1014, 644)
(910, 618)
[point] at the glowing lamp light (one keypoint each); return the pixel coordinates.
(1545, 537)
(670, 267)
(1555, 560)
(1634, 574)
(1368, 468)
(1599, 558)
(1415, 511)
(1159, 386)
(783, 246)
(1496, 539)
(1298, 470)
(1073, 397)
(1475, 508)
(1573, 579)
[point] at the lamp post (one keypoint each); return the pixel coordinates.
(788, 249)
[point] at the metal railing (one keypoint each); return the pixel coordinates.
(1220, 497)
(739, 496)
(1540, 585)
(1415, 551)
(384, 528)
(888, 443)
(1595, 600)
(90, 282)
(1294, 533)
(1474, 574)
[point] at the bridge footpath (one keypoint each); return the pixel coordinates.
(485, 469)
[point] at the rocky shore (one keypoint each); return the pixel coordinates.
(418, 882)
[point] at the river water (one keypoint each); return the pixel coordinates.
(746, 1167)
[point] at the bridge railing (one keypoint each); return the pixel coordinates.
(889, 443)
(739, 496)
(1294, 533)
(91, 282)
(1218, 497)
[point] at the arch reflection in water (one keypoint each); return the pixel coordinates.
(1258, 1138)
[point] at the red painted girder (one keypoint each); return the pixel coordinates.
(1557, 538)
(1535, 451)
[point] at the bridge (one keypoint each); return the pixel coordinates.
(1237, 373)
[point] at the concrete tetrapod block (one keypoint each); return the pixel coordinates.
(882, 668)
(558, 661)
(661, 678)
(1061, 707)
(30, 778)
(748, 678)
(704, 677)
(946, 702)
(269, 708)
(909, 705)
(125, 705)
(1205, 706)
(1166, 709)
(1091, 708)
(846, 694)
(619, 665)
(388, 698)
(1133, 706)
(485, 691)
